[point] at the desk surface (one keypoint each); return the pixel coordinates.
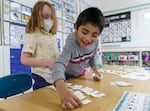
(46, 99)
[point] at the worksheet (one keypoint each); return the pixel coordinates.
(133, 101)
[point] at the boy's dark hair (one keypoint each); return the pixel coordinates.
(91, 15)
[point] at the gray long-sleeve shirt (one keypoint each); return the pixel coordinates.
(74, 58)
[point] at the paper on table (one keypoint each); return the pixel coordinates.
(138, 75)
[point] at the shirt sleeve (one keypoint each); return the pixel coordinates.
(56, 47)
(59, 67)
(93, 61)
(29, 44)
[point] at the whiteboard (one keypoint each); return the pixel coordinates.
(141, 28)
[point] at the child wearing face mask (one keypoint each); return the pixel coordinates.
(78, 53)
(40, 45)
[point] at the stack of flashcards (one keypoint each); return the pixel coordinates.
(80, 90)
(87, 90)
(133, 101)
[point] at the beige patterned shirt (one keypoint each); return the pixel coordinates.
(41, 45)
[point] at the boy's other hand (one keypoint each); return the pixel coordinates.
(97, 77)
(68, 99)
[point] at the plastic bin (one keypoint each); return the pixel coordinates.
(114, 57)
(122, 57)
(133, 57)
(107, 57)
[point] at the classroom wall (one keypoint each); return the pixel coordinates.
(29, 3)
(108, 6)
(139, 24)
(4, 47)
(119, 4)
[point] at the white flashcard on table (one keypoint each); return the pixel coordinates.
(79, 94)
(52, 87)
(86, 101)
(97, 95)
(121, 83)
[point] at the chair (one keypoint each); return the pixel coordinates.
(14, 84)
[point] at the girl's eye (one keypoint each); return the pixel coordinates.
(45, 17)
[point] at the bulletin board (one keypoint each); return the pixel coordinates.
(16, 12)
(117, 28)
(17, 35)
(137, 32)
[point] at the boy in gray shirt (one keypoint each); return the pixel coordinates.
(78, 52)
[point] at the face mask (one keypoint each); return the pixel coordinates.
(48, 24)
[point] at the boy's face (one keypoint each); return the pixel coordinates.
(87, 34)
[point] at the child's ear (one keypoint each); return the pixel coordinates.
(75, 27)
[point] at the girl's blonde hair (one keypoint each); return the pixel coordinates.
(36, 19)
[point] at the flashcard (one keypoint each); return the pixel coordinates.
(69, 84)
(75, 87)
(86, 101)
(97, 95)
(79, 94)
(86, 90)
(121, 83)
(52, 87)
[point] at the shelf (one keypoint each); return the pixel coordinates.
(121, 58)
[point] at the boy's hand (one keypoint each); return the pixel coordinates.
(68, 99)
(97, 77)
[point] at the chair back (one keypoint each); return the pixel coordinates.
(14, 84)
